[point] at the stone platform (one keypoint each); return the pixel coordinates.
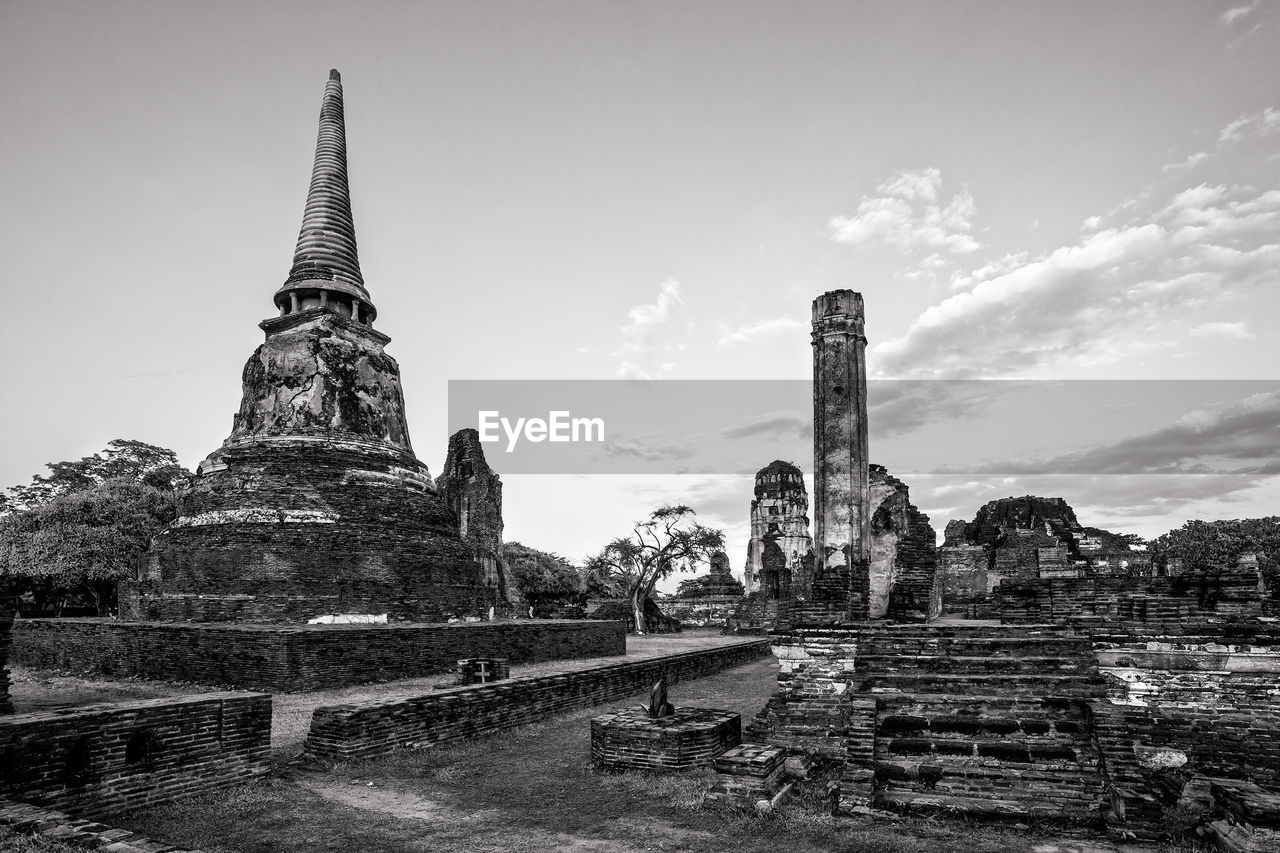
(291, 658)
(630, 739)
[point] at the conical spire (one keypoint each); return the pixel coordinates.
(325, 262)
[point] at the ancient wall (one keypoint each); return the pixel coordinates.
(1154, 758)
(1226, 668)
(6, 623)
(471, 489)
(1162, 602)
(300, 658)
(903, 579)
(966, 584)
(711, 611)
(377, 728)
(105, 760)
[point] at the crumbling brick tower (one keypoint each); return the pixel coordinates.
(315, 504)
(840, 462)
(780, 550)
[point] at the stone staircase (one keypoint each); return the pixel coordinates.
(985, 721)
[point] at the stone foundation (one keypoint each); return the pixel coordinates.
(746, 775)
(108, 759)
(631, 740)
(297, 658)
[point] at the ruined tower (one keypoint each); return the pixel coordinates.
(780, 542)
(470, 488)
(315, 504)
(840, 484)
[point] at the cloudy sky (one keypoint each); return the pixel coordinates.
(592, 190)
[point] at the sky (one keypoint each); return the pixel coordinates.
(597, 190)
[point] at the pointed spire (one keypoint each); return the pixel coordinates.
(326, 266)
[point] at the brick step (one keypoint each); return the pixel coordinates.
(986, 807)
(977, 646)
(889, 664)
(1046, 753)
(973, 684)
(1049, 705)
(930, 723)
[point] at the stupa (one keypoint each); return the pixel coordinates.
(315, 504)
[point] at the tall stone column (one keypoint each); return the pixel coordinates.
(840, 488)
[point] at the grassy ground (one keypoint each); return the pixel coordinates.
(534, 789)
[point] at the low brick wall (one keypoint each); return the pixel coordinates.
(106, 759)
(298, 658)
(78, 832)
(361, 731)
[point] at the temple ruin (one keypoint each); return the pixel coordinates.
(471, 489)
(780, 551)
(315, 504)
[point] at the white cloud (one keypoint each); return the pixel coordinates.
(1238, 331)
(749, 334)
(1083, 303)
(648, 334)
(1190, 163)
(1235, 13)
(1262, 123)
(906, 214)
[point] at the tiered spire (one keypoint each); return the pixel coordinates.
(326, 266)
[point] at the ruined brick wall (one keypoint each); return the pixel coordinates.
(904, 578)
(78, 832)
(290, 531)
(377, 728)
(301, 658)
(6, 624)
(104, 760)
(710, 611)
(471, 489)
(1150, 754)
(1166, 602)
(1232, 667)
(966, 583)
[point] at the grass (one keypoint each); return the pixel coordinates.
(534, 789)
(17, 842)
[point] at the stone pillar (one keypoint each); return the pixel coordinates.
(355, 310)
(840, 488)
(293, 303)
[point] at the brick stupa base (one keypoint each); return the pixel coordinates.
(691, 737)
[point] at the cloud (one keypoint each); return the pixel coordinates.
(1191, 162)
(780, 424)
(647, 334)
(1102, 298)
(1238, 331)
(906, 214)
(1235, 13)
(1262, 123)
(764, 329)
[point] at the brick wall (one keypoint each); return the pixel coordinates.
(303, 657)
(1165, 602)
(108, 759)
(377, 728)
(6, 622)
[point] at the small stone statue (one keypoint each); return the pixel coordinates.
(658, 704)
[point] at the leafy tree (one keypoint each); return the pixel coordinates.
(122, 459)
(669, 541)
(72, 534)
(540, 576)
(1209, 545)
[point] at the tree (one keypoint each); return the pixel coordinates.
(1213, 545)
(76, 532)
(540, 576)
(669, 541)
(122, 459)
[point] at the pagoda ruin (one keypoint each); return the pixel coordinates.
(315, 504)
